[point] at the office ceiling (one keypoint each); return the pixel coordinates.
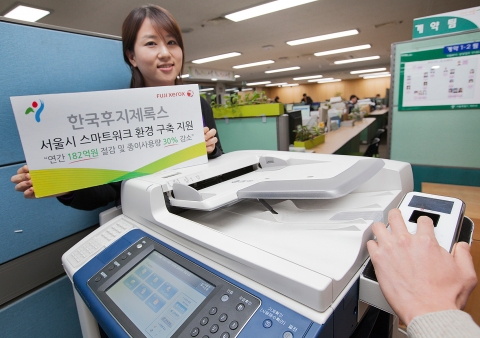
(380, 23)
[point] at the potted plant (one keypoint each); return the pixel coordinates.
(252, 105)
(355, 114)
(308, 138)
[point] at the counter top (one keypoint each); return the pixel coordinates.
(334, 140)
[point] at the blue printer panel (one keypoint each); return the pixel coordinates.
(145, 287)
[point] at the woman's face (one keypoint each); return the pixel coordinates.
(157, 57)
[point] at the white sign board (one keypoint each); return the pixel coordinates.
(78, 140)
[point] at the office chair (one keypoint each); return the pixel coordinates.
(372, 150)
(377, 134)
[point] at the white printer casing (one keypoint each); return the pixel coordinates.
(293, 226)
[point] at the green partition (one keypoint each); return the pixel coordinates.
(248, 133)
(447, 138)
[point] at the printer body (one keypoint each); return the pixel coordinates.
(251, 244)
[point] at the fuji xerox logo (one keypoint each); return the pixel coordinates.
(35, 109)
(188, 93)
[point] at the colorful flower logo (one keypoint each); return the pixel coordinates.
(37, 112)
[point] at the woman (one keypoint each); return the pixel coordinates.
(153, 49)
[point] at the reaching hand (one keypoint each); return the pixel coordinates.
(415, 273)
(210, 139)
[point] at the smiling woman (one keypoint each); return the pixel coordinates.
(153, 49)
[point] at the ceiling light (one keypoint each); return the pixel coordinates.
(237, 76)
(217, 57)
(290, 85)
(281, 70)
(375, 76)
(367, 70)
(357, 60)
(258, 83)
(307, 77)
(342, 50)
(25, 13)
(322, 37)
(266, 62)
(206, 89)
(184, 76)
(214, 79)
(246, 89)
(315, 80)
(276, 84)
(267, 8)
(332, 80)
(371, 74)
(231, 90)
(435, 67)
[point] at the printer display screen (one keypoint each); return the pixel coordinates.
(432, 204)
(158, 295)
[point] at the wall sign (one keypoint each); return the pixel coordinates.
(439, 79)
(446, 23)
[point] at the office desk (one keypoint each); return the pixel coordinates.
(381, 117)
(344, 140)
(380, 122)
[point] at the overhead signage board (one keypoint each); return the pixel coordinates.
(209, 74)
(446, 23)
(79, 140)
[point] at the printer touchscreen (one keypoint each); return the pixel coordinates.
(158, 295)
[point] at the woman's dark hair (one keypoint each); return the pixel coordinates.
(160, 19)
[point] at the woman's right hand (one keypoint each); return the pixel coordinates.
(23, 182)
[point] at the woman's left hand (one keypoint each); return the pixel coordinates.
(210, 139)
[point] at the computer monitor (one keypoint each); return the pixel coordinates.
(305, 109)
(315, 106)
(294, 120)
(289, 107)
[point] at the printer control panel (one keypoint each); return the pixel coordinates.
(154, 292)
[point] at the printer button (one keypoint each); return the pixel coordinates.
(225, 335)
(267, 323)
(225, 298)
(223, 317)
(233, 325)
(195, 332)
(287, 334)
(240, 307)
(214, 328)
(213, 310)
(204, 321)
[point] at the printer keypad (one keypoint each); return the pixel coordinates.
(224, 314)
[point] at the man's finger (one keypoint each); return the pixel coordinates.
(425, 226)
(380, 231)
(396, 222)
(372, 247)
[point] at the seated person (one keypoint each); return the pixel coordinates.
(306, 99)
(351, 103)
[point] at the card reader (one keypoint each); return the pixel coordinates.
(447, 214)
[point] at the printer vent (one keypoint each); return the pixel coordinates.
(376, 216)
